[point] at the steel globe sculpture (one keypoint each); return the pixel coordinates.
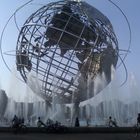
(64, 43)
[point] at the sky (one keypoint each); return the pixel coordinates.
(129, 7)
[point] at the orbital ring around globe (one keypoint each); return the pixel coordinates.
(63, 44)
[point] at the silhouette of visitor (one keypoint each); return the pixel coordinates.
(112, 123)
(87, 121)
(40, 123)
(115, 123)
(15, 122)
(138, 125)
(138, 120)
(77, 122)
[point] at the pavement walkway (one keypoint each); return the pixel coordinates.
(79, 136)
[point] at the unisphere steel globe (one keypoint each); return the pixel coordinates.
(64, 43)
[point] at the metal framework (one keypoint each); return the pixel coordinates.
(62, 42)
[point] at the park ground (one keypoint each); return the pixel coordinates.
(78, 136)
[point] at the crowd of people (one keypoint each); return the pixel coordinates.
(50, 126)
(19, 122)
(55, 126)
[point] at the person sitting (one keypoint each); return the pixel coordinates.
(21, 123)
(49, 122)
(112, 123)
(57, 124)
(40, 123)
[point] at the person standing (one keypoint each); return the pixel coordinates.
(138, 125)
(77, 124)
(138, 120)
